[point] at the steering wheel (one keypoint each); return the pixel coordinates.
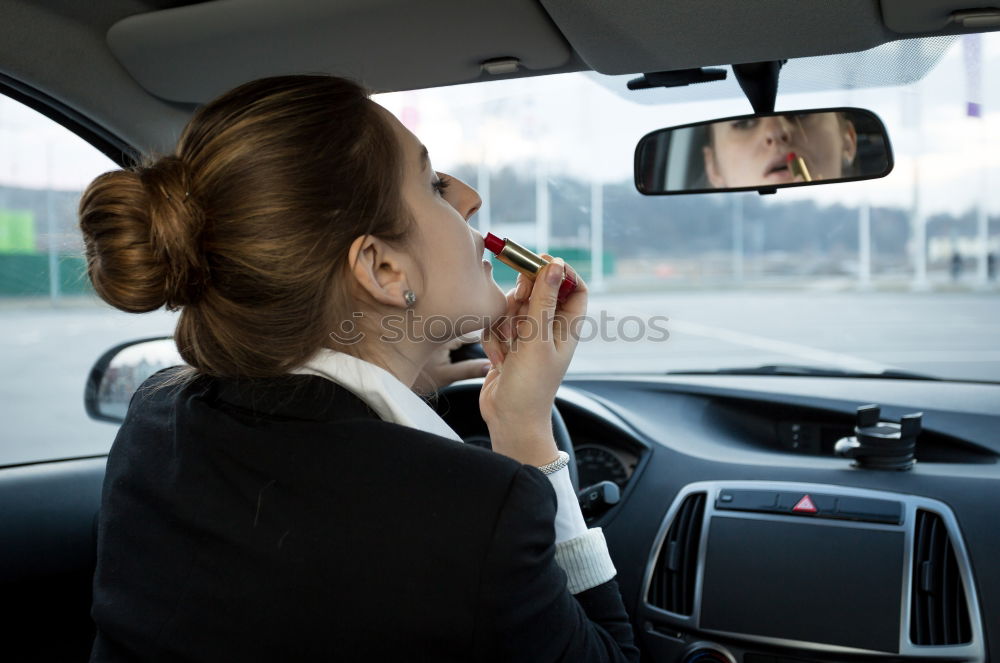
(461, 392)
(563, 443)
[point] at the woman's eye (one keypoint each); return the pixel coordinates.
(440, 184)
(741, 125)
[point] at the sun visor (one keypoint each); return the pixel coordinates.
(193, 53)
(656, 35)
(917, 16)
(653, 35)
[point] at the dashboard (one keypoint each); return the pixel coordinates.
(740, 537)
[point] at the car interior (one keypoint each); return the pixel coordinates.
(772, 515)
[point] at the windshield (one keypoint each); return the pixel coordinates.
(891, 274)
(885, 275)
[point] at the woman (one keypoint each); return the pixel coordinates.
(754, 151)
(289, 496)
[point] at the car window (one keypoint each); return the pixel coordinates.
(887, 274)
(52, 326)
(893, 273)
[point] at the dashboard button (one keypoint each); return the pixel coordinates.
(747, 500)
(863, 508)
(826, 505)
(805, 505)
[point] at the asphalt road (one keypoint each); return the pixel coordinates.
(47, 352)
(955, 335)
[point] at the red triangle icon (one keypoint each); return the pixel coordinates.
(805, 505)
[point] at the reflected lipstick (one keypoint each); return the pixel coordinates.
(521, 259)
(798, 166)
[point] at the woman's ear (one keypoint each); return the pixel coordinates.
(378, 270)
(711, 170)
(850, 142)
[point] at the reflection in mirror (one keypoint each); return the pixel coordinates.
(764, 152)
(123, 372)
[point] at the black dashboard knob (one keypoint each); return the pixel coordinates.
(881, 445)
(600, 496)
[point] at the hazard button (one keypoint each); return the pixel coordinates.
(805, 505)
(823, 506)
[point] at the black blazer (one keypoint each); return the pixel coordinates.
(281, 519)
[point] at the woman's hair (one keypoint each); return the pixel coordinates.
(246, 227)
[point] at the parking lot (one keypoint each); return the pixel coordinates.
(49, 350)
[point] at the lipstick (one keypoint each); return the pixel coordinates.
(798, 166)
(521, 259)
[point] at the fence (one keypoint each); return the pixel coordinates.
(27, 275)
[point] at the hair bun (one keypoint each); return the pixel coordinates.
(176, 229)
(142, 233)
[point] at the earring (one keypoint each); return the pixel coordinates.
(410, 297)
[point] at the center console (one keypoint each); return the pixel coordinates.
(776, 572)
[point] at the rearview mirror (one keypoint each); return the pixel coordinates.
(764, 152)
(117, 375)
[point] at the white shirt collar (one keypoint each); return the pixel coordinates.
(381, 390)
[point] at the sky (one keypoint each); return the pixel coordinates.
(572, 124)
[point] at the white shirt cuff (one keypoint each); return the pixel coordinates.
(581, 553)
(585, 560)
(569, 519)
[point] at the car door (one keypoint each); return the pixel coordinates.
(52, 327)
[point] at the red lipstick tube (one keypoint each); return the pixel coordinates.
(521, 259)
(798, 166)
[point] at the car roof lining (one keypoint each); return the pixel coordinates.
(143, 92)
(176, 55)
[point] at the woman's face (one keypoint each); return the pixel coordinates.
(754, 151)
(447, 271)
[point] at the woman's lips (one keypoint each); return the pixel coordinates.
(781, 175)
(777, 170)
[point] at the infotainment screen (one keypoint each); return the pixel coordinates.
(835, 584)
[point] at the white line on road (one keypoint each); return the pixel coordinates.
(804, 352)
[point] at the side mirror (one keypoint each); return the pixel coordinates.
(764, 152)
(119, 372)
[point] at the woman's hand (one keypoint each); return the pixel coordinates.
(440, 371)
(530, 350)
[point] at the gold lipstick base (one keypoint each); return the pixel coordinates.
(521, 259)
(799, 168)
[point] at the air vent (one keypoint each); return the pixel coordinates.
(940, 614)
(672, 585)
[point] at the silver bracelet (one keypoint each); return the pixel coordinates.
(556, 465)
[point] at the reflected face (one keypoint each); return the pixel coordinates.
(754, 151)
(451, 278)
